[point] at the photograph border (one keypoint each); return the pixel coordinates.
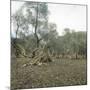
(86, 5)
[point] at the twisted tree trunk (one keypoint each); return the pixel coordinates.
(36, 25)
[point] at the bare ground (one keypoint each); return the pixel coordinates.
(60, 72)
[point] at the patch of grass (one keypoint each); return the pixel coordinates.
(61, 72)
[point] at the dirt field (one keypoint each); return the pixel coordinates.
(61, 72)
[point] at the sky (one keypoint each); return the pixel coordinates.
(64, 16)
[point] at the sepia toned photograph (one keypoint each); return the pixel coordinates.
(48, 44)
